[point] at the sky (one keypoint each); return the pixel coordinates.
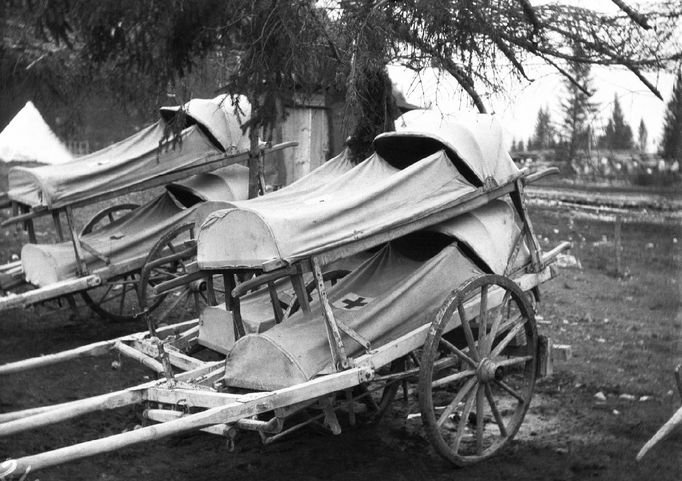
(518, 106)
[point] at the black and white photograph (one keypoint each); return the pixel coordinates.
(340, 240)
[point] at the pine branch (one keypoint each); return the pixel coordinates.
(636, 17)
(563, 72)
(644, 80)
(511, 57)
(529, 12)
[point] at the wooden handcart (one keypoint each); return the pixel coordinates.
(471, 345)
(109, 283)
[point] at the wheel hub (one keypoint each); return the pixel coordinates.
(198, 285)
(488, 371)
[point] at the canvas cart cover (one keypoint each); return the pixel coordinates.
(28, 138)
(211, 127)
(394, 292)
(474, 142)
(134, 235)
(376, 196)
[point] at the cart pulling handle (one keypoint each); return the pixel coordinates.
(535, 176)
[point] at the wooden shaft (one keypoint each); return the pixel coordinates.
(171, 284)
(143, 359)
(274, 300)
(301, 291)
(79, 406)
(80, 258)
(518, 198)
(662, 433)
(58, 224)
(72, 410)
(112, 443)
(50, 291)
(94, 252)
(91, 350)
(10, 266)
(338, 350)
(29, 226)
(95, 349)
(18, 218)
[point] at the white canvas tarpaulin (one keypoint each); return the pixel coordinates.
(134, 160)
(474, 142)
(490, 233)
(369, 198)
(423, 169)
(384, 298)
(135, 234)
(390, 294)
(28, 138)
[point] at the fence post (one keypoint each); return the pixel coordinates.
(617, 244)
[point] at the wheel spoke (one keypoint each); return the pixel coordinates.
(467, 332)
(479, 418)
(453, 377)
(121, 303)
(106, 292)
(495, 411)
(513, 360)
(483, 320)
(511, 391)
(197, 304)
(463, 421)
(451, 347)
(455, 402)
(183, 294)
(507, 339)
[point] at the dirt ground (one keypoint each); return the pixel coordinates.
(625, 334)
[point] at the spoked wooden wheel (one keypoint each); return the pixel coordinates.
(116, 298)
(170, 283)
(474, 393)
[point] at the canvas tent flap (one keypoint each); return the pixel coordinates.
(226, 184)
(383, 299)
(125, 239)
(474, 142)
(371, 198)
(126, 164)
(216, 117)
(490, 233)
(28, 138)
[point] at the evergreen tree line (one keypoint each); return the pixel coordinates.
(574, 134)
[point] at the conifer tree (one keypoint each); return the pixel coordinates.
(642, 136)
(543, 138)
(578, 108)
(618, 134)
(671, 145)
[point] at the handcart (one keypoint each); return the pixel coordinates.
(447, 299)
(102, 260)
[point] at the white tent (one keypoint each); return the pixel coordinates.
(28, 138)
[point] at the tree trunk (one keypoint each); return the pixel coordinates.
(255, 164)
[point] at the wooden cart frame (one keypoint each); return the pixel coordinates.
(11, 274)
(495, 343)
